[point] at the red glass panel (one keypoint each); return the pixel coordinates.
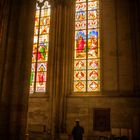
(41, 77)
(93, 75)
(80, 42)
(80, 75)
(44, 30)
(80, 64)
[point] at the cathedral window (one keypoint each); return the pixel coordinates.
(87, 47)
(38, 77)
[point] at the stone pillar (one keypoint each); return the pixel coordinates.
(16, 70)
(60, 63)
(4, 20)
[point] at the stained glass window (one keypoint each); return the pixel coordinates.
(38, 78)
(87, 47)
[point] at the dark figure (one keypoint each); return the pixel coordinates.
(77, 132)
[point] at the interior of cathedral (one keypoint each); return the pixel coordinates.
(68, 60)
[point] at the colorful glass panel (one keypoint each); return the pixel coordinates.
(93, 75)
(93, 14)
(80, 65)
(80, 7)
(80, 86)
(38, 78)
(87, 48)
(93, 86)
(80, 25)
(80, 1)
(94, 64)
(80, 75)
(80, 16)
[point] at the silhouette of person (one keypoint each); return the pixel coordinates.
(77, 131)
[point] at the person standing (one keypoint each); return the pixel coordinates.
(77, 131)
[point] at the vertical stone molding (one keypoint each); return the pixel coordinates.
(61, 41)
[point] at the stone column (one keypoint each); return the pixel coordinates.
(59, 67)
(16, 70)
(4, 20)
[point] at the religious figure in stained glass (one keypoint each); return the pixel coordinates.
(87, 56)
(41, 77)
(80, 44)
(93, 44)
(38, 76)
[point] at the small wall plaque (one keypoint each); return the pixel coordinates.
(101, 119)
